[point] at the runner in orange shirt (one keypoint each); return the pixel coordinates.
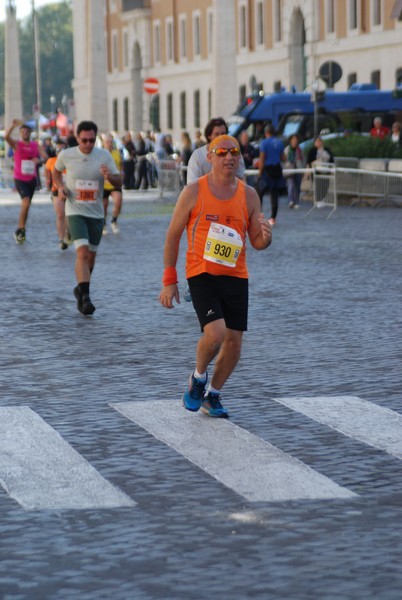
(58, 204)
(218, 210)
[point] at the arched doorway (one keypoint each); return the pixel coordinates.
(297, 41)
(137, 95)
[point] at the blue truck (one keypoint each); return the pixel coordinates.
(309, 113)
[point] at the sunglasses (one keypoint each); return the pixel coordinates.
(224, 151)
(88, 140)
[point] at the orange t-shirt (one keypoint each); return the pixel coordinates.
(216, 233)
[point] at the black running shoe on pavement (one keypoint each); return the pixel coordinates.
(87, 306)
(19, 236)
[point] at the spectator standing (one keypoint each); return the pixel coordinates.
(198, 140)
(141, 168)
(128, 162)
(396, 133)
(249, 154)
(379, 130)
(319, 153)
(168, 145)
(294, 159)
(270, 171)
(186, 152)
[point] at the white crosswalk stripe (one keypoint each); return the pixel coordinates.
(243, 462)
(359, 419)
(40, 470)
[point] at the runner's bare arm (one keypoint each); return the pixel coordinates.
(259, 230)
(7, 135)
(180, 218)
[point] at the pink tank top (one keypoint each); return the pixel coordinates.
(24, 167)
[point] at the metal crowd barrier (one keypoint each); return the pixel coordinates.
(6, 174)
(327, 184)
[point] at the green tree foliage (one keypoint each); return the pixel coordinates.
(55, 34)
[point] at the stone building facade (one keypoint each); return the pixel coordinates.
(209, 54)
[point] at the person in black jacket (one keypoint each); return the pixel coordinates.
(141, 171)
(129, 160)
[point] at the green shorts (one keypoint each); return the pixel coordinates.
(85, 231)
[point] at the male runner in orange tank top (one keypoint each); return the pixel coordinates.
(218, 211)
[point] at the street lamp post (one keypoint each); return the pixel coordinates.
(37, 65)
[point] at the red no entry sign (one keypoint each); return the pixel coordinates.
(151, 85)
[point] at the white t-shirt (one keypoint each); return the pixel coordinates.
(199, 165)
(84, 181)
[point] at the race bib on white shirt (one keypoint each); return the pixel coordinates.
(223, 245)
(27, 167)
(86, 190)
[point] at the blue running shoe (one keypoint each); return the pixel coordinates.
(193, 397)
(211, 406)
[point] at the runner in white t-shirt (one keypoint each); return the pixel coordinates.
(86, 169)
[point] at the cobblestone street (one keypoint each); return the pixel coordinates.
(325, 321)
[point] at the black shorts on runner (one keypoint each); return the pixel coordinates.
(106, 193)
(220, 297)
(26, 189)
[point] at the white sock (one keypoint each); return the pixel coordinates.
(213, 390)
(200, 376)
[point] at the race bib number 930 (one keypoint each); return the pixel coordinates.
(223, 245)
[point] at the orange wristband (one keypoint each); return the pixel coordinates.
(169, 276)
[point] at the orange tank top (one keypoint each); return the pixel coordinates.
(216, 233)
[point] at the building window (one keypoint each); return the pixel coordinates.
(169, 40)
(209, 104)
(125, 49)
(115, 115)
(352, 78)
(398, 76)
(376, 12)
(243, 26)
(169, 111)
(277, 20)
(183, 115)
(376, 78)
(197, 109)
(197, 34)
(115, 51)
(154, 112)
(242, 93)
(126, 114)
(210, 30)
(353, 14)
(330, 15)
(157, 42)
(259, 23)
(277, 85)
(183, 37)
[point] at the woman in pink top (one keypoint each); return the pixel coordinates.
(27, 156)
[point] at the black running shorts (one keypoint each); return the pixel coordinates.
(26, 189)
(220, 297)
